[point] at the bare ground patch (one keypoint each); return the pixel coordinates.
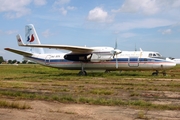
(43, 110)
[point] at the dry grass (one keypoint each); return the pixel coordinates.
(16, 105)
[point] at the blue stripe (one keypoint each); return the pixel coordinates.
(134, 60)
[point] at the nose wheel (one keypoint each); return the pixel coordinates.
(155, 73)
(164, 73)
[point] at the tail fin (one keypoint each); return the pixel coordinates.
(31, 36)
(19, 40)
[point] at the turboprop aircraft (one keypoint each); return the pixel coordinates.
(91, 58)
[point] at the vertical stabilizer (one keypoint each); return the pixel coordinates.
(31, 36)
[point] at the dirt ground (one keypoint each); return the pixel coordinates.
(49, 83)
(44, 110)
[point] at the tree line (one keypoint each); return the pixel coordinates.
(13, 61)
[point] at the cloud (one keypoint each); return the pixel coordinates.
(46, 33)
(98, 15)
(17, 9)
(14, 8)
(165, 32)
(134, 6)
(148, 7)
(9, 32)
(144, 23)
(71, 8)
(63, 11)
(61, 6)
(40, 2)
(61, 2)
(128, 35)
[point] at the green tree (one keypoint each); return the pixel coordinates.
(14, 61)
(9, 61)
(24, 61)
(1, 59)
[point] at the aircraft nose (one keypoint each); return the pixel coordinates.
(171, 63)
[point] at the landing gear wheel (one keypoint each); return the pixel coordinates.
(164, 73)
(82, 73)
(107, 71)
(155, 73)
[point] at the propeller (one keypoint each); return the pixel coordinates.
(115, 52)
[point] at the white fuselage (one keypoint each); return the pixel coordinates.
(84, 58)
(127, 60)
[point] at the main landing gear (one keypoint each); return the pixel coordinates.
(156, 73)
(82, 72)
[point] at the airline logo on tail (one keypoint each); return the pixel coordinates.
(30, 38)
(19, 40)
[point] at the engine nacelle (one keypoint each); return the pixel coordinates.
(100, 57)
(78, 57)
(88, 57)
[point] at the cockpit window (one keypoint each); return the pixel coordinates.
(150, 54)
(154, 55)
(158, 54)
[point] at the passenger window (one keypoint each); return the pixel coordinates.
(154, 55)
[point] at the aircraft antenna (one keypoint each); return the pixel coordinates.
(135, 47)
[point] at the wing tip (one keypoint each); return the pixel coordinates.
(6, 48)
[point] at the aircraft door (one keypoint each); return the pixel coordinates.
(133, 62)
(47, 59)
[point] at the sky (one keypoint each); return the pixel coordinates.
(153, 25)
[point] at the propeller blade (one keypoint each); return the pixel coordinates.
(115, 52)
(115, 44)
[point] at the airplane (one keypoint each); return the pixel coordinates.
(177, 60)
(91, 58)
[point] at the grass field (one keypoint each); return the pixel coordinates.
(135, 89)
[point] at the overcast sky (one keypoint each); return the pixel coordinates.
(152, 25)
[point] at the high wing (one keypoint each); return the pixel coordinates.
(74, 49)
(20, 52)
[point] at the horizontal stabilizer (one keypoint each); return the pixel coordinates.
(20, 52)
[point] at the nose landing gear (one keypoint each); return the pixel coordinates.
(156, 73)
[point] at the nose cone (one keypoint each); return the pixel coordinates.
(117, 51)
(170, 63)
